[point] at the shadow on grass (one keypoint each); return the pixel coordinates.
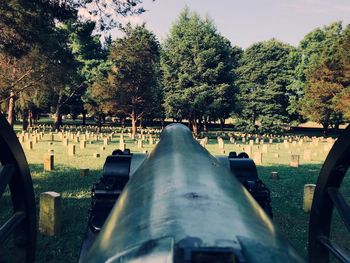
(75, 191)
(286, 194)
(287, 200)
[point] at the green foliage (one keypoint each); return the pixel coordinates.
(328, 79)
(197, 71)
(131, 85)
(264, 75)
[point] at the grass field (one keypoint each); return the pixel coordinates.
(286, 192)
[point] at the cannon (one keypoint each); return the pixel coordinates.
(178, 204)
(182, 205)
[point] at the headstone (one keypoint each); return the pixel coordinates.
(48, 162)
(71, 149)
(307, 155)
(84, 172)
(29, 145)
(82, 144)
(264, 148)
(248, 150)
(102, 148)
(122, 146)
(96, 155)
(139, 144)
(275, 175)
(251, 142)
(65, 142)
(294, 162)
(257, 157)
(309, 190)
(50, 213)
(105, 141)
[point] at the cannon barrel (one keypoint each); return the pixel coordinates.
(182, 205)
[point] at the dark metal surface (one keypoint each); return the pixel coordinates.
(23, 221)
(244, 169)
(182, 205)
(330, 179)
(117, 170)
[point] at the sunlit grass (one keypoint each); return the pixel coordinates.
(286, 192)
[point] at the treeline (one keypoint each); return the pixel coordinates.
(195, 75)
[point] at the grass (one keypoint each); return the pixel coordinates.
(286, 193)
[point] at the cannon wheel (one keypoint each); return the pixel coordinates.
(14, 173)
(326, 196)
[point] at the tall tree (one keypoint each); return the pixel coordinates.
(264, 75)
(197, 71)
(328, 81)
(306, 56)
(131, 85)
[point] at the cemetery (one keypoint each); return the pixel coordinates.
(174, 131)
(65, 164)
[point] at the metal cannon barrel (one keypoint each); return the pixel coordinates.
(182, 205)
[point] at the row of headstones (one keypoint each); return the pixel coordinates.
(264, 137)
(32, 139)
(91, 128)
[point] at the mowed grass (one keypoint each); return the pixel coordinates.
(286, 193)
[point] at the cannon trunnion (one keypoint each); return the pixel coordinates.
(181, 204)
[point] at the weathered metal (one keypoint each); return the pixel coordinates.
(326, 196)
(182, 205)
(245, 171)
(14, 172)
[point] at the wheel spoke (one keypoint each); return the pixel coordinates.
(341, 205)
(6, 173)
(339, 253)
(7, 228)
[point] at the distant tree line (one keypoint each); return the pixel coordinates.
(52, 61)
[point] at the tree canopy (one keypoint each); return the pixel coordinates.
(197, 71)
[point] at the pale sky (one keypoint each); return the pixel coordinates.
(245, 22)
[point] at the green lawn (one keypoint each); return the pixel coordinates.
(286, 192)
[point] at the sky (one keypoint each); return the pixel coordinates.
(245, 22)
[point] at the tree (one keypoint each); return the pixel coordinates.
(30, 27)
(306, 56)
(264, 75)
(131, 84)
(197, 71)
(328, 82)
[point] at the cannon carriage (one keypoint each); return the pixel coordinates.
(179, 204)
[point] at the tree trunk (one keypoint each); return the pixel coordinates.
(84, 117)
(11, 109)
(30, 118)
(325, 129)
(99, 122)
(57, 119)
(194, 125)
(222, 124)
(140, 124)
(25, 119)
(205, 124)
(133, 123)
